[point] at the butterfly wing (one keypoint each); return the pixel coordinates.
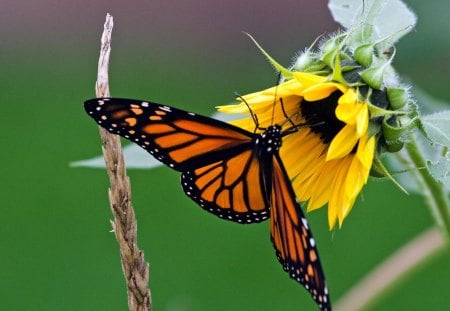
(293, 241)
(219, 169)
(180, 139)
(232, 188)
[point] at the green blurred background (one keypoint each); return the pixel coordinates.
(57, 249)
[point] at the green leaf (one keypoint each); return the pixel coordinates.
(437, 127)
(428, 103)
(373, 20)
(436, 156)
(135, 158)
(441, 170)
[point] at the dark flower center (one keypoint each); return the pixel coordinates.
(321, 116)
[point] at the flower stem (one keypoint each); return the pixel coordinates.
(433, 191)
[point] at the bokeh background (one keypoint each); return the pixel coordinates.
(57, 249)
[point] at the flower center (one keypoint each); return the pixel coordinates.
(321, 116)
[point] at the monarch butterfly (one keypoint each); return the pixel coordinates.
(230, 172)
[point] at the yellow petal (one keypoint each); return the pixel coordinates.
(362, 119)
(304, 181)
(321, 91)
(355, 178)
(321, 190)
(339, 196)
(347, 108)
(366, 151)
(338, 193)
(347, 113)
(349, 97)
(332, 217)
(308, 79)
(346, 210)
(301, 155)
(343, 143)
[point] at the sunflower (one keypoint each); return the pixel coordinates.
(348, 107)
(330, 155)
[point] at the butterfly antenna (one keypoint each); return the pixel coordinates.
(288, 118)
(275, 98)
(254, 116)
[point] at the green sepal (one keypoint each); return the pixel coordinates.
(337, 70)
(376, 171)
(364, 54)
(379, 170)
(317, 68)
(394, 133)
(376, 111)
(373, 76)
(331, 49)
(344, 69)
(374, 127)
(278, 67)
(398, 97)
(394, 146)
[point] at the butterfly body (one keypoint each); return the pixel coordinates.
(230, 172)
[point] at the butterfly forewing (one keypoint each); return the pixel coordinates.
(179, 139)
(293, 241)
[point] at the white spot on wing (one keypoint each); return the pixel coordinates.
(165, 108)
(305, 223)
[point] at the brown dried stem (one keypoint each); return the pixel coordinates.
(124, 224)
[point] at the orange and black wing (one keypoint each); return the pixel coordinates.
(219, 169)
(180, 139)
(232, 188)
(293, 241)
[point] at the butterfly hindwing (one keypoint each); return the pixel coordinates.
(292, 239)
(180, 139)
(231, 188)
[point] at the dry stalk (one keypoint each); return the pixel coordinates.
(124, 224)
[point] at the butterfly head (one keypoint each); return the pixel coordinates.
(269, 142)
